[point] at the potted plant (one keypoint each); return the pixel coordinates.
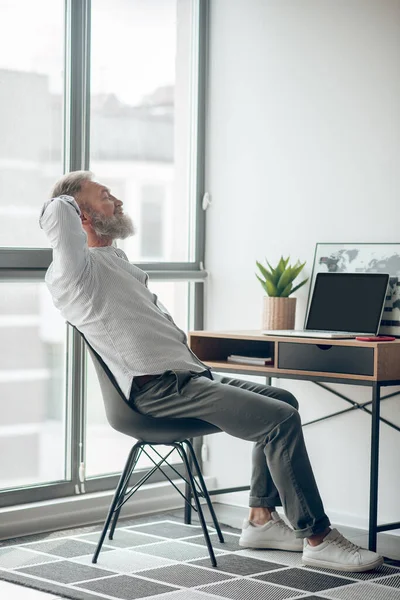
(279, 309)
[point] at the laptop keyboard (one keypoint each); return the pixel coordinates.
(329, 331)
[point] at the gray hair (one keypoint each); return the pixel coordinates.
(71, 183)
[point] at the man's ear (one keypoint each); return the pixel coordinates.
(84, 218)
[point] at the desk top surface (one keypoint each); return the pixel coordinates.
(257, 335)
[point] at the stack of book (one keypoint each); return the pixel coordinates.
(250, 360)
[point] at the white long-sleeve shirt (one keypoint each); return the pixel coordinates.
(106, 297)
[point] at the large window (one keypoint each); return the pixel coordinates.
(119, 92)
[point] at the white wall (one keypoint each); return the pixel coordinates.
(303, 146)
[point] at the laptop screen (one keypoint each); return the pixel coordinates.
(348, 302)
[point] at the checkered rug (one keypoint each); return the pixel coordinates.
(167, 560)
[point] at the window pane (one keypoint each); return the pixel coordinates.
(152, 219)
(32, 386)
(31, 75)
(106, 449)
(141, 105)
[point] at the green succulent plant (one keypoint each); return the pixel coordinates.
(279, 281)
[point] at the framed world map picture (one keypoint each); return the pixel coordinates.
(368, 258)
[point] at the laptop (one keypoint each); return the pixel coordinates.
(343, 305)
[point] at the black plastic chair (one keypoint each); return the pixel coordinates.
(151, 431)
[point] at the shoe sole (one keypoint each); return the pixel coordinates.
(270, 546)
(309, 562)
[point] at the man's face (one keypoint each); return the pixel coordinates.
(98, 198)
(102, 212)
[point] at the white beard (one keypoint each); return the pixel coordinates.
(117, 227)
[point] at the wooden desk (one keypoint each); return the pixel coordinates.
(372, 364)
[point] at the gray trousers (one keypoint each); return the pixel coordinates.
(281, 470)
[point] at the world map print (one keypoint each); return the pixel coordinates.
(365, 258)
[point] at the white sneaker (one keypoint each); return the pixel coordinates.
(335, 552)
(275, 535)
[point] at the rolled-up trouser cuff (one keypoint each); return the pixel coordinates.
(319, 527)
(264, 502)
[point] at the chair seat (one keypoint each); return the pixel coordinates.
(155, 430)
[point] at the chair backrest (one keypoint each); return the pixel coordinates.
(123, 417)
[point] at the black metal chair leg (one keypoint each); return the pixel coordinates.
(179, 446)
(188, 495)
(114, 502)
(204, 490)
(135, 458)
(187, 515)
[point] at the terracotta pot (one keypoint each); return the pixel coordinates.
(278, 313)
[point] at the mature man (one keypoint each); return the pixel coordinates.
(106, 297)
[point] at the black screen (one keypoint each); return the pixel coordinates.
(347, 302)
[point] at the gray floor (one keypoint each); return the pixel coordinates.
(158, 557)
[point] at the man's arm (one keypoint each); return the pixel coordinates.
(60, 220)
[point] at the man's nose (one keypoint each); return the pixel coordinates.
(117, 203)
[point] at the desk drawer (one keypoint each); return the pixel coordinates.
(326, 358)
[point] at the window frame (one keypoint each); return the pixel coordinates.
(26, 264)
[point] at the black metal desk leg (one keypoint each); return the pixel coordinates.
(374, 472)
